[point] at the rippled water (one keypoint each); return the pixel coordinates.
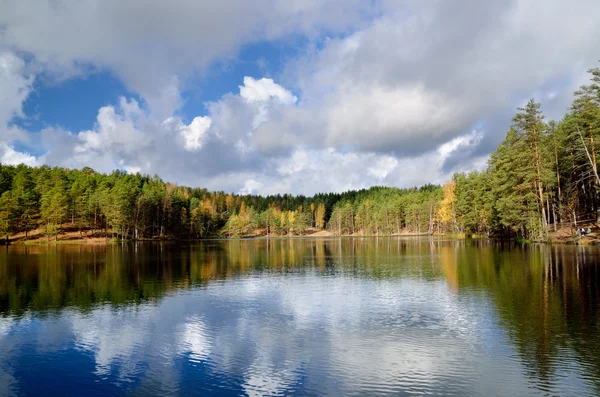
(330, 317)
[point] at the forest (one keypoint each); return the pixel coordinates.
(542, 177)
(134, 206)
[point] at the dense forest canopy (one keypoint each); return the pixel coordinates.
(542, 176)
(141, 206)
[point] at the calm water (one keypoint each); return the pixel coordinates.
(302, 317)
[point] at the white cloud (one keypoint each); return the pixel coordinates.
(309, 171)
(8, 155)
(373, 118)
(15, 87)
(459, 142)
(295, 164)
(251, 186)
(382, 167)
(264, 90)
(194, 133)
(410, 84)
(130, 137)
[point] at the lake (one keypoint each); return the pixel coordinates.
(300, 317)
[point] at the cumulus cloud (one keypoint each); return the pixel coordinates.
(15, 85)
(193, 134)
(131, 137)
(311, 171)
(408, 84)
(263, 90)
(117, 139)
(400, 93)
(8, 155)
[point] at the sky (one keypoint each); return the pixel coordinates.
(273, 96)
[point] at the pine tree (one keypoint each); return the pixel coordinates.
(54, 208)
(529, 126)
(24, 192)
(513, 186)
(8, 213)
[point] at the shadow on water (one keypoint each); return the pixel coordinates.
(545, 298)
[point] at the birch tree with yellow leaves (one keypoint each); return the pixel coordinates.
(447, 211)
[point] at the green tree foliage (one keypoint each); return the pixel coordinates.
(474, 202)
(384, 210)
(23, 190)
(54, 207)
(8, 213)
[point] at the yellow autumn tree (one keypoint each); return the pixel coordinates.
(243, 210)
(291, 219)
(229, 202)
(320, 216)
(283, 221)
(447, 212)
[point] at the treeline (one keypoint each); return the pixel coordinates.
(134, 206)
(388, 211)
(542, 177)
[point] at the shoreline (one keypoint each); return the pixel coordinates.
(584, 241)
(110, 240)
(74, 236)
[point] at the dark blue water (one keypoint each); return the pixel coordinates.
(300, 317)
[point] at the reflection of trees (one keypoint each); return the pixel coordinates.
(546, 297)
(42, 278)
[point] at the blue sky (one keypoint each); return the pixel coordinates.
(282, 97)
(265, 59)
(74, 103)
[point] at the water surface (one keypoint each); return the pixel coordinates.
(349, 316)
